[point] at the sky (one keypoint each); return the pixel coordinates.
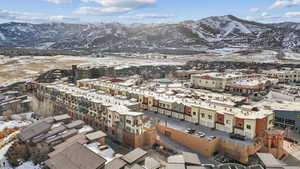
(145, 11)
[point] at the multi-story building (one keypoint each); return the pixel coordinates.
(236, 82)
(116, 115)
(12, 102)
(218, 81)
(284, 75)
(246, 121)
(249, 86)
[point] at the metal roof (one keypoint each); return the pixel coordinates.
(76, 156)
(134, 155)
(116, 163)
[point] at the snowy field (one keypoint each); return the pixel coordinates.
(27, 67)
(293, 56)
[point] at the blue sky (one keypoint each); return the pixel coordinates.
(131, 11)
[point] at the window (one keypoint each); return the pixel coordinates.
(128, 121)
(227, 121)
(194, 113)
(202, 115)
(270, 121)
(290, 122)
(209, 117)
(248, 126)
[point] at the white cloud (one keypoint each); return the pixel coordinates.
(101, 11)
(263, 17)
(264, 14)
(148, 16)
(284, 3)
(14, 16)
(292, 14)
(254, 9)
(60, 1)
(112, 7)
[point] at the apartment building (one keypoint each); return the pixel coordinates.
(246, 121)
(249, 86)
(116, 115)
(218, 81)
(234, 82)
(13, 102)
(284, 75)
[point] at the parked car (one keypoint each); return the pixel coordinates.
(104, 147)
(211, 137)
(190, 131)
(201, 134)
(236, 136)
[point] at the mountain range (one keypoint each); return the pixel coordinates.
(207, 33)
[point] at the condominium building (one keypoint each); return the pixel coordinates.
(234, 82)
(217, 81)
(247, 121)
(284, 75)
(116, 115)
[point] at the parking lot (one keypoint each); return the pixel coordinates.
(184, 126)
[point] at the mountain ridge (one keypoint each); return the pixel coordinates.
(193, 35)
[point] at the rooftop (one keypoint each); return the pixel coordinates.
(34, 130)
(116, 163)
(269, 161)
(214, 102)
(75, 157)
(95, 135)
(134, 155)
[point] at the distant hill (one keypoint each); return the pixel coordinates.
(211, 32)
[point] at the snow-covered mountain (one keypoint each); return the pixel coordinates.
(211, 32)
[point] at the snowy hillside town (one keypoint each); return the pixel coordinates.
(149, 84)
(220, 114)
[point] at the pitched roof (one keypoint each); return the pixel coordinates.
(116, 163)
(75, 124)
(76, 156)
(61, 117)
(176, 159)
(269, 160)
(291, 167)
(195, 167)
(34, 130)
(151, 163)
(79, 138)
(95, 135)
(136, 166)
(191, 158)
(134, 155)
(175, 166)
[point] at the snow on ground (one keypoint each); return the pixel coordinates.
(28, 165)
(13, 124)
(108, 153)
(22, 116)
(24, 67)
(3, 159)
(5, 165)
(2, 37)
(293, 56)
